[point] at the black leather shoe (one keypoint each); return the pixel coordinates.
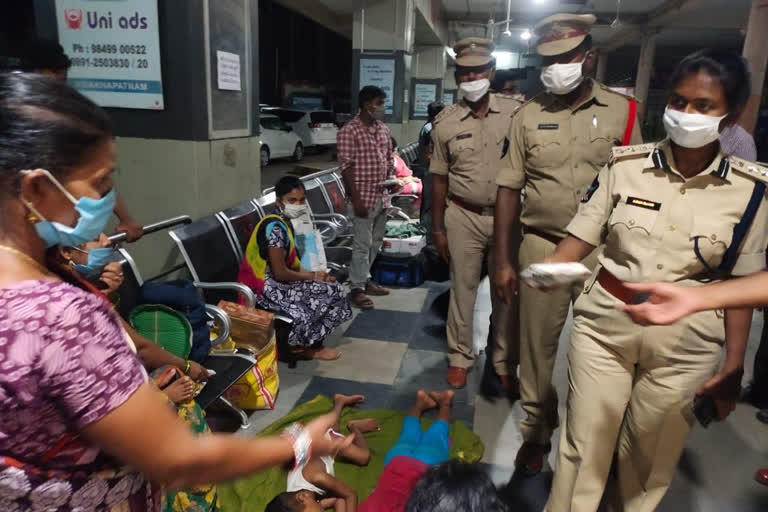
(753, 397)
(530, 457)
(762, 416)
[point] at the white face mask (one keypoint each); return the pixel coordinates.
(562, 78)
(378, 113)
(294, 211)
(691, 130)
(473, 91)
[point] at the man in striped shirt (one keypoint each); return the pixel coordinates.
(365, 159)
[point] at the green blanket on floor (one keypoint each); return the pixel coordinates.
(252, 494)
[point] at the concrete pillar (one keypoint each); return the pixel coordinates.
(602, 66)
(644, 69)
(429, 63)
(386, 31)
(200, 154)
(756, 52)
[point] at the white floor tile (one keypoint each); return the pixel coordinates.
(405, 300)
(361, 360)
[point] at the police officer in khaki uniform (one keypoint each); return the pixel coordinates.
(559, 141)
(682, 212)
(470, 148)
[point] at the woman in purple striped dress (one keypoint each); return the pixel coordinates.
(80, 426)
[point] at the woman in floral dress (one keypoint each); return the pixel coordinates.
(271, 267)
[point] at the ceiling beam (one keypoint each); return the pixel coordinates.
(656, 19)
(317, 12)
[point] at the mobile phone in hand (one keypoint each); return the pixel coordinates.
(705, 409)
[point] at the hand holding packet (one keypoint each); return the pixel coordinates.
(392, 182)
(551, 275)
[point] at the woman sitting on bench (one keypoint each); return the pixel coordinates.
(271, 268)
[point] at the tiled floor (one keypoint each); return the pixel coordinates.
(399, 347)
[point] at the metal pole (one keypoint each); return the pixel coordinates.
(644, 68)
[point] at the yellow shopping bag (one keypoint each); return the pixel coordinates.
(258, 388)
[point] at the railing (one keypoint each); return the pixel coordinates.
(157, 226)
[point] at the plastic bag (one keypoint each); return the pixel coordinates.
(309, 244)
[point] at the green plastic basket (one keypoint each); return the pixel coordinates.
(165, 326)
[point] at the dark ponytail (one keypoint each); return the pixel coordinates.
(45, 124)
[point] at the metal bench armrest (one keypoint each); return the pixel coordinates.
(328, 230)
(333, 217)
(247, 293)
(223, 321)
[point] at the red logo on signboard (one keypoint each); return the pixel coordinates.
(74, 17)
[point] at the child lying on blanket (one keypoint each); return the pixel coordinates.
(313, 487)
(413, 453)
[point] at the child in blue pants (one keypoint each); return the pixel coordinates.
(413, 453)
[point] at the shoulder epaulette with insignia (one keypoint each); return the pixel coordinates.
(618, 152)
(753, 170)
(617, 93)
(531, 100)
(450, 109)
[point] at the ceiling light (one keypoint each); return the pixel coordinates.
(526, 35)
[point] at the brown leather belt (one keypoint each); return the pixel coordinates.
(541, 234)
(486, 211)
(615, 287)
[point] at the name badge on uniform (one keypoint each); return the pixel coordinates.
(464, 136)
(549, 126)
(644, 203)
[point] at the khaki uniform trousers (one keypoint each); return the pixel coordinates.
(471, 241)
(542, 317)
(630, 393)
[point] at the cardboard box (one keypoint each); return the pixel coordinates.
(404, 246)
(250, 326)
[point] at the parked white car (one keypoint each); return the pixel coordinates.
(316, 128)
(278, 140)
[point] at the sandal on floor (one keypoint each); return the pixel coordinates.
(376, 290)
(360, 300)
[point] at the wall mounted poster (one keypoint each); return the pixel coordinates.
(115, 51)
(423, 95)
(381, 73)
(228, 71)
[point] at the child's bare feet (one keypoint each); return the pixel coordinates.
(443, 398)
(347, 400)
(364, 425)
(424, 401)
(181, 390)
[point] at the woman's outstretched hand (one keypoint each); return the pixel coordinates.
(666, 303)
(321, 445)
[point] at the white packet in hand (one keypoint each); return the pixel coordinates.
(547, 275)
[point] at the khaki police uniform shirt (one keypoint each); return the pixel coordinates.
(472, 150)
(556, 152)
(649, 216)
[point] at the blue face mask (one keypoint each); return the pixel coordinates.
(98, 257)
(94, 216)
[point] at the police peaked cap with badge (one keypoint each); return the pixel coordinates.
(474, 52)
(561, 33)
